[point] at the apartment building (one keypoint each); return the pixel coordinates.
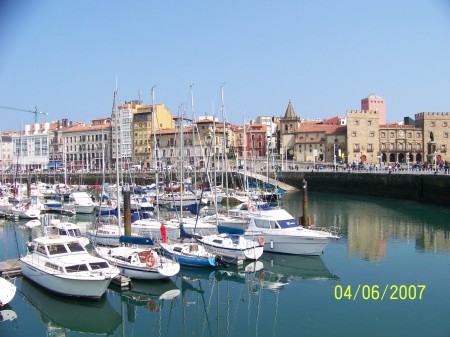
(146, 120)
(88, 147)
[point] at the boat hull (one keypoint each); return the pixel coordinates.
(293, 245)
(92, 287)
(7, 291)
(188, 260)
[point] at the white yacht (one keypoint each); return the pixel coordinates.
(63, 266)
(280, 231)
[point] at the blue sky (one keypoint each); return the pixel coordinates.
(64, 56)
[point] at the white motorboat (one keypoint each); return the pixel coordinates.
(281, 232)
(80, 202)
(233, 246)
(63, 266)
(7, 291)
(139, 263)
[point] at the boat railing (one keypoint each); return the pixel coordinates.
(333, 230)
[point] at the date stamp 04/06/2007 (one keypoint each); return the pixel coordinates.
(391, 292)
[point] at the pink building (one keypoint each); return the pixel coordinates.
(374, 102)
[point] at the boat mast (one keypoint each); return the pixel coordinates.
(193, 141)
(156, 207)
(245, 157)
(116, 121)
(224, 144)
(181, 162)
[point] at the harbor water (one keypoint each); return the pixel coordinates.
(388, 275)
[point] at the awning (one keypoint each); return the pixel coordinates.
(54, 164)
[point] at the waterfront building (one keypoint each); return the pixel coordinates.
(123, 136)
(143, 118)
(87, 145)
(400, 143)
(31, 148)
(436, 141)
(6, 150)
(317, 142)
(363, 136)
(56, 142)
(257, 140)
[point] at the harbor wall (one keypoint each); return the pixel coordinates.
(419, 187)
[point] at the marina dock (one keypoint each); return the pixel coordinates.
(10, 267)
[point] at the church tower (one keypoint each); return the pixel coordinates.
(289, 125)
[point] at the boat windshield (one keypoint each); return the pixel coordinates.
(75, 247)
(99, 265)
(56, 249)
(290, 223)
(76, 268)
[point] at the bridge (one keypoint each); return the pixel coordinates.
(275, 182)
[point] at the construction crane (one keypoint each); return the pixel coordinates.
(35, 111)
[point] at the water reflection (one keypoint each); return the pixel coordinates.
(279, 270)
(62, 316)
(370, 224)
(149, 294)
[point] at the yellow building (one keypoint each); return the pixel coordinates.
(142, 129)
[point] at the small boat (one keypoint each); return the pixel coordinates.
(139, 263)
(189, 254)
(233, 246)
(63, 266)
(7, 291)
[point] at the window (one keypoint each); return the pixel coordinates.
(356, 147)
(383, 134)
(432, 124)
(391, 147)
(392, 135)
(444, 124)
(409, 134)
(409, 147)
(445, 134)
(383, 146)
(372, 134)
(369, 123)
(369, 148)
(354, 134)
(443, 148)
(356, 122)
